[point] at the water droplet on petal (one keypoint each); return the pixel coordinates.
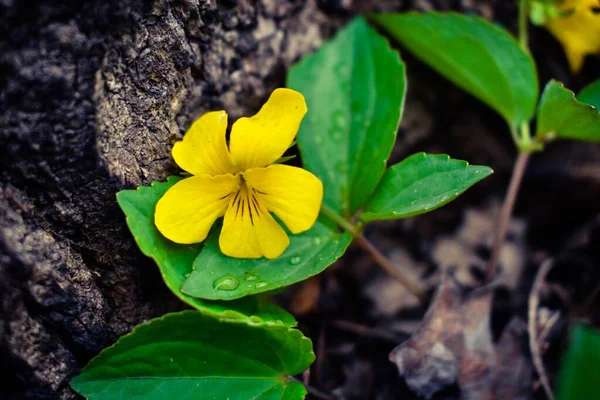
(260, 285)
(295, 260)
(226, 282)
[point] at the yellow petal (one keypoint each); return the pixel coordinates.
(578, 31)
(249, 231)
(203, 149)
(190, 207)
(262, 139)
(293, 194)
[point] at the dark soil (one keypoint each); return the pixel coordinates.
(94, 93)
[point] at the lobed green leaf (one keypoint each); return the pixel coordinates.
(421, 183)
(561, 115)
(216, 276)
(481, 58)
(354, 87)
(175, 260)
(579, 374)
(189, 355)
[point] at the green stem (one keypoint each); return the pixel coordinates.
(514, 132)
(338, 219)
(525, 144)
(523, 24)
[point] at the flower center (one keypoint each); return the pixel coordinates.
(246, 201)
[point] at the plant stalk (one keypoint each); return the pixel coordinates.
(507, 209)
(338, 219)
(408, 281)
(314, 391)
(523, 24)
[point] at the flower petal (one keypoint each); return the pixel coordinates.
(262, 139)
(578, 30)
(293, 194)
(203, 149)
(249, 231)
(187, 211)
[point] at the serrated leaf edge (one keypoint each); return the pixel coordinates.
(368, 216)
(175, 315)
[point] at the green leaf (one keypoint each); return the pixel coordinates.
(591, 94)
(217, 276)
(190, 356)
(421, 183)
(175, 260)
(481, 58)
(354, 87)
(579, 377)
(560, 114)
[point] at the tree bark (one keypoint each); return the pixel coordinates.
(92, 96)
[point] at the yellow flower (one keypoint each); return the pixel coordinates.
(578, 30)
(240, 183)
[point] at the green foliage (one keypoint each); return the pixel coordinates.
(189, 355)
(579, 377)
(175, 260)
(354, 87)
(481, 58)
(561, 115)
(217, 276)
(591, 94)
(421, 183)
(240, 346)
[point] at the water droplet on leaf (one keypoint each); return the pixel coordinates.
(260, 285)
(226, 282)
(317, 241)
(295, 260)
(250, 277)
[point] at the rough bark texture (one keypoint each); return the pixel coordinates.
(92, 96)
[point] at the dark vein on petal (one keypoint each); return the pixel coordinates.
(237, 210)
(255, 205)
(250, 212)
